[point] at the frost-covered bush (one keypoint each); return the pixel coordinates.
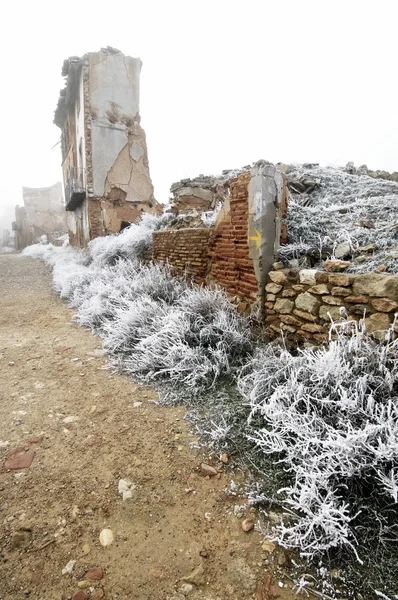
(153, 324)
(131, 243)
(330, 419)
(343, 207)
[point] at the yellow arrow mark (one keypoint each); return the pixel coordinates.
(256, 238)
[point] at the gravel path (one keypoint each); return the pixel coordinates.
(84, 429)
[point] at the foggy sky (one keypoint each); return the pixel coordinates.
(224, 83)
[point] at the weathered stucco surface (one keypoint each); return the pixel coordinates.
(43, 213)
(104, 143)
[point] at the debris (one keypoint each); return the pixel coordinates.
(268, 546)
(80, 596)
(186, 589)
(68, 568)
(92, 409)
(207, 470)
(137, 404)
(224, 458)
(19, 460)
(70, 419)
(11, 363)
(95, 574)
(17, 421)
(247, 525)
(197, 576)
(86, 549)
(125, 488)
(106, 537)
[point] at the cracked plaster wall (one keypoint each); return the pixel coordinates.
(119, 152)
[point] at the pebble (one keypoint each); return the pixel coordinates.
(85, 549)
(67, 570)
(106, 537)
(137, 404)
(247, 525)
(186, 589)
(207, 470)
(95, 574)
(11, 363)
(80, 596)
(98, 595)
(70, 419)
(224, 458)
(268, 546)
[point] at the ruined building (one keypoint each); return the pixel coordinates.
(104, 153)
(43, 213)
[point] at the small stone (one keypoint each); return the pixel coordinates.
(336, 265)
(377, 324)
(268, 546)
(93, 409)
(332, 300)
(67, 570)
(384, 305)
(340, 291)
(95, 574)
(70, 419)
(85, 549)
(98, 595)
(277, 277)
(277, 265)
(273, 288)
(186, 589)
(247, 525)
(327, 312)
(224, 458)
(381, 268)
(84, 584)
(197, 576)
(80, 596)
(307, 303)
(356, 299)
(11, 363)
(289, 293)
(342, 250)
(207, 470)
(19, 461)
(137, 404)
(106, 537)
(320, 289)
(308, 276)
(304, 315)
(283, 306)
(341, 280)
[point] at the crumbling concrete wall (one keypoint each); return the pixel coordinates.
(43, 213)
(99, 116)
(200, 194)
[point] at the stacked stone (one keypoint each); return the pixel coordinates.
(231, 266)
(303, 303)
(185, 250)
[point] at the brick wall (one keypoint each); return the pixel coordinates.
(231, 266)
(186, 250)
(301, 303)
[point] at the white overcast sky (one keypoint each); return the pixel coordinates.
(223, 83)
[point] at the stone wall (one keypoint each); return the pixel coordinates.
(302, 303)
(185, 250)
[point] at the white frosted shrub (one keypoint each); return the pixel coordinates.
(329, 416)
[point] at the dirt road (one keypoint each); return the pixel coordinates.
(84, 429)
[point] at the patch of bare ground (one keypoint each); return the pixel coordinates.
(83, 429)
